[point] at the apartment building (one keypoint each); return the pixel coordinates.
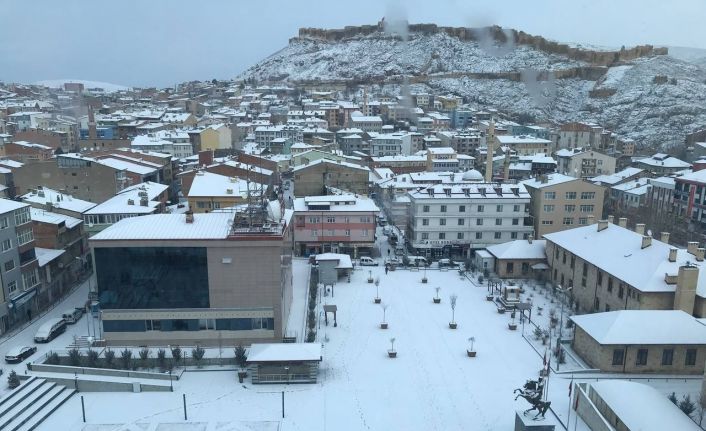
(583, 163)
(662, 164)
(313, 179)
(189, 279)
(524, 145)
(610, 267)
(334, 223)
(452, 219)
(562, 202)
(690, 196)
(19, 269)
(265, 135)
(26, 152)
(462, 141)
(209, 191)
(579, 135)
(391, 144)
(366, 123)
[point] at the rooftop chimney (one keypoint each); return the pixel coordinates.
(700, 254)
(92, 133)
(602, 224)
(664, 237)
(610, 219)
(640, 228)
(623, 222)
(646, 241)
(673, 254)
(685, 293)
(189, 217)
(691, 247)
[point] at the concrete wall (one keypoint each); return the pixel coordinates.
(588, 411)
(46, 368)
(96, 385)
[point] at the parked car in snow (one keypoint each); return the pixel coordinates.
(447, 263)
(367, 261)
(19, 354)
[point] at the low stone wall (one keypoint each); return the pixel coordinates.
(97, 385)
(46, 368)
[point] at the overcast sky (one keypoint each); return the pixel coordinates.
(162, 42)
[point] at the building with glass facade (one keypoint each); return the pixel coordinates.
(193, 279)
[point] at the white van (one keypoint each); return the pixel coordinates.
(72, 316)
(50, 330)
(367, 261)
(418, 261)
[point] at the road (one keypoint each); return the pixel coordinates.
(25, 337)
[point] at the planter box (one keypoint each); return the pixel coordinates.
(392, 353)
(377, 300)
(437, 300)
(424, 280)
(383, 326)
(471, 353)
(488, 297)
(501, 310)
(453, 325)
(242, 375)
(512, 326)
(370, 280)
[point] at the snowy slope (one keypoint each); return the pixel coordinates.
(106, 86)
(652, 113)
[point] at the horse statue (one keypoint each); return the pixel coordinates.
(532, 392)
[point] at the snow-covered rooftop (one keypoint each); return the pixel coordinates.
(127, 166)
(344, 260)
(212, 185)
(213, 225)
(642, 407)
(284, 352)
(46, 255)
(642, 327)
(519, 249)
(612, 179)
(54, 218)
(344, 202)
(128, 201)
(7, 205)
(551, 180)
(664, 161)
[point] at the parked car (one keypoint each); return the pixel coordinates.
(447, 263)
(418, 261)
(382, 221)
(367, 261)
(400, 250)
(19, 354)
(72, 316)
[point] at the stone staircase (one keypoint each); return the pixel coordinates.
(79, 343)
(31, 403)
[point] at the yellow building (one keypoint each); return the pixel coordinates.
(211, 191)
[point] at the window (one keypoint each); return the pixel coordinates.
(12, 286)
(568, 221)
(546, 222)
(3, 222)
(548, 208)
(549, 195)
(583, 220)
(459, 235)
(513, 235)
(365, 233)
(425, 222)
(510, 268)
(620, 290)
(588, 195)
(442, 235)
(479, 235)
(314, 220)
(442, 222)
(497, 235)
(515, 221)
(618, 356)
(425, 208)
(586, 208)
(425, 235)
(6, 245)
(9, 265)
(610, 284)
(516, 208)
(570, 195)
(443, 208)
(479, 222)
(690, 359)
(499, 208)
(461, 222)
(22, 216)
(24, 237)
(462, 208)
(481, 208)
(569, 208)
(201, 204)
(641, 358)
(330, 219)
(314, 233)
(667, 356)
(573, 262)
(348, 232)
(498, 222)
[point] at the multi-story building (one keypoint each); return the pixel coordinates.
(19, 267)
(610, 267)
(153, 142)
(264, 135)
(367, 123)
(452, 219)
(581, 163)
(25, 152)
(662, 164)
(463, 141)
(690, 196)
(524, 145)
(314, 178)
(391, 144)
(629, 195)
(189, 279)
(579, 135)
(334, 223)
(562, 202)
(660, 196)
(209, 191)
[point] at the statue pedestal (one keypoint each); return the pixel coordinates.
(527, 423)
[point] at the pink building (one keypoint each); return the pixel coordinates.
(336, 223)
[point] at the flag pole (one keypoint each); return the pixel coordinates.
(571, 388)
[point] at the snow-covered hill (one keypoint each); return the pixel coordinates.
(629, 96)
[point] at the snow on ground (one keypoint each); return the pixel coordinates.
(615, 75)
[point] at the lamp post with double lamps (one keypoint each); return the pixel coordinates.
(563, 291)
